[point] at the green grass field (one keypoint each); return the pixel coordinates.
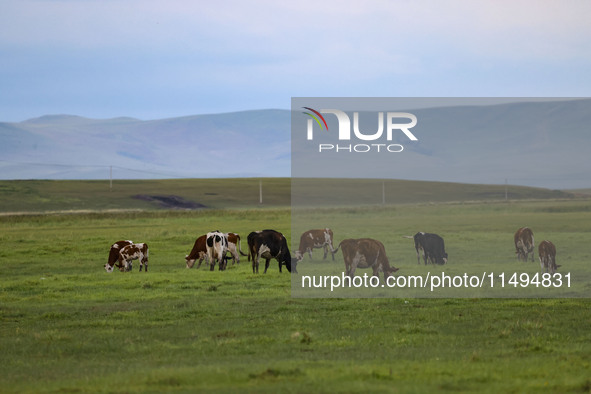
(243, 193)
(68, 326)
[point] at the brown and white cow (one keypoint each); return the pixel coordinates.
(315, 239)
(217, 246)
(199, 251)
(234, 247)
(114, 255)
(132, 252)
(524, 243)
(365, 253)
(547, 256)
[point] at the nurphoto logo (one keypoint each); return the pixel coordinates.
(393, 120)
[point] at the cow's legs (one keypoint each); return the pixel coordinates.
(223, 263)
(325, 247)
(267, 261)
(255, 264)
(353, 267)
(421, 252)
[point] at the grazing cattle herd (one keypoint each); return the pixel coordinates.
(357, 253)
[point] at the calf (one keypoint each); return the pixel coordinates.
(365, 253)
(431, 246)
(524, 243)
(312, 239)
(547, 256)
(114, 255)
(216, 244)
(134, 252)
(199, 251)
(269, 244)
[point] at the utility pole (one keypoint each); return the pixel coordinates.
(260, 191)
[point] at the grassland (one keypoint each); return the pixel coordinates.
(48, 195)
(244, 193)
(68, 326)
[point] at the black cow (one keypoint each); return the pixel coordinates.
(269, 244)
(431, 246)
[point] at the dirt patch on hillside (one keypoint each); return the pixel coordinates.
(170, 201)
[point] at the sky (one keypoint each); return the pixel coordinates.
(158, 59)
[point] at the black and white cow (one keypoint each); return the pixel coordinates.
(217, 245)
(431, 246)
(269, 244)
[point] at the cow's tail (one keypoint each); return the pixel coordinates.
(240, 247)
(408, 236)
(337, 249)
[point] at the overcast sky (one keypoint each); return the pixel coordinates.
(157, 59)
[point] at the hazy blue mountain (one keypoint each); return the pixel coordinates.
(249, 143)
(542, 144)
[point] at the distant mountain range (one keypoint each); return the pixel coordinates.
(544, 144)
(241, 144)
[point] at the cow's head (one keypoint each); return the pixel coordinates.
(390, 271)
(288, 261)
(108, 268)
(190, 262)
(444, 258)
(292, 266)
